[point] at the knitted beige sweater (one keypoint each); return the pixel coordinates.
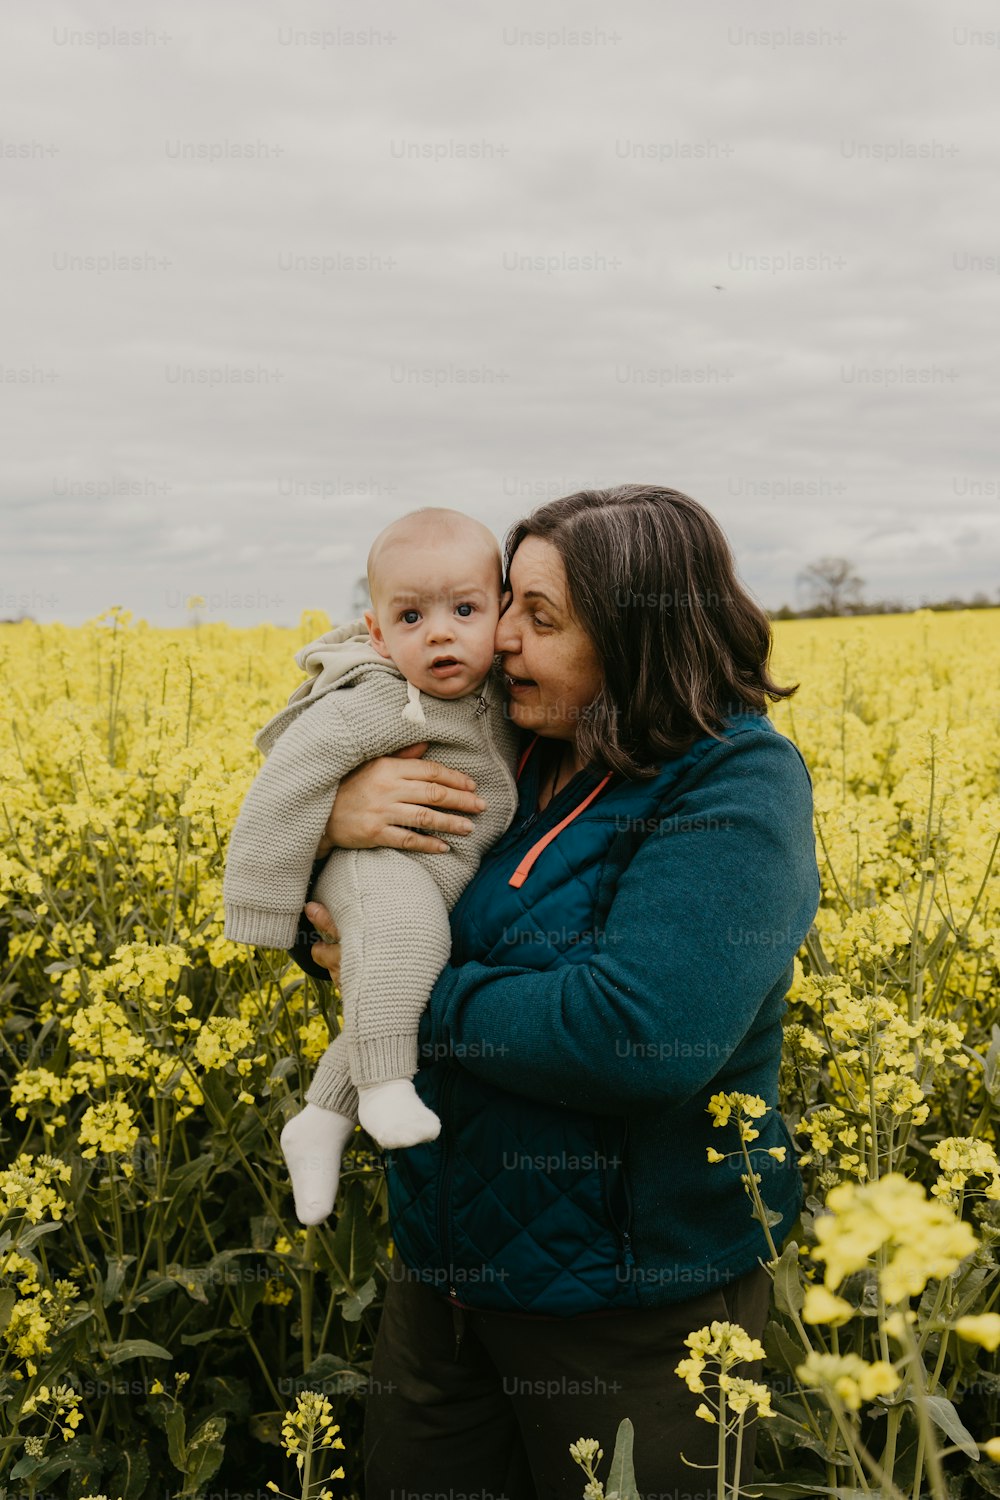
(357, 706)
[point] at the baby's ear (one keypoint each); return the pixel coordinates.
(375, 632)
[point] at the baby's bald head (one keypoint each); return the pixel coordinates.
(438, 528)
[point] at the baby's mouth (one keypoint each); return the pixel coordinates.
(444, 661)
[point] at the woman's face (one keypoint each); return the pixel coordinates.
(551, 666)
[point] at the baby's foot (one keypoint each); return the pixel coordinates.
(393, 1115)
(312, 1143)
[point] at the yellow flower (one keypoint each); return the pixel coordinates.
(924, 1239)
(991, 1448)
(848, 1377)
(110, 1126)
(585, 1451)
(310, 1422)
(821, 1306)
(983, 1329)
(220, 1039)
(277, 1293)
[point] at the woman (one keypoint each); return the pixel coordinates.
(622, 954)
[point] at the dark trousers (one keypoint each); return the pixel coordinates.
(494, 1418)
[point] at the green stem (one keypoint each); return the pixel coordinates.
(721, 1456)
(926, 1427)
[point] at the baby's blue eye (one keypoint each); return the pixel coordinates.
(406, 616)
(469, 607)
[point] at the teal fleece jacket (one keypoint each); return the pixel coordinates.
(586, 1018)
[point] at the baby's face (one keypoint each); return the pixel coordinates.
(436, 616)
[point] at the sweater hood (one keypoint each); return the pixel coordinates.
(333, 658)
(331, 661)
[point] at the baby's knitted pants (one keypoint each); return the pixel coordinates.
(395, 938)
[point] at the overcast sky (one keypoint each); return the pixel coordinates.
(274, 275)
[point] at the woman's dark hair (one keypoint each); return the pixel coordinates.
(681, 643)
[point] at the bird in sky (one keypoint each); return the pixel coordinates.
(717, 287)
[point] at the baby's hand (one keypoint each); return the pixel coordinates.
(326, 953)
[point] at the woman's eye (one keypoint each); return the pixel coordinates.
(467, 608)
(410, 616)
(537, 620)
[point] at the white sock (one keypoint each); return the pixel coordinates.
(312, 1143)
(393, 1115)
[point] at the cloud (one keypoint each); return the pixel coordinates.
(278, 282)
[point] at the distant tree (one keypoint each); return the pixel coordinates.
(834, 585)
(359, 597)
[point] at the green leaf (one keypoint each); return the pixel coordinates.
(788, 1290)
(322, 1367)
(353, 1241)
(206, 1334)
(26, 1466)
(205, 1453)
(117, 1266)
(621, 1479)
(282, 1068)
(263, 1231)
(944, 1415)
(353, 1306)
(782, 1350)
(35, 1233)
(175, 1423)
(41, 1469)
(793, 1434)
(803, 1492)
(991, 1066)
(190, 1280)
(182, 1187)
(153, 1289)
(228, 1393)
(987, 1477)
(266, 1427)
(131, 1473)
(136, 1349)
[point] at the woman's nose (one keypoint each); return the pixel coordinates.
(507, 640)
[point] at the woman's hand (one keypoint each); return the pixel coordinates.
(326, 954)
(381, 803)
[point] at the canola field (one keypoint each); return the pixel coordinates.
(165, 1323)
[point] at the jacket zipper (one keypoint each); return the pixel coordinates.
(482, 708)
(626, 1237)
(447, 1167)
(621, 1229)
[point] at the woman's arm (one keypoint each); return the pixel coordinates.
(704, 923)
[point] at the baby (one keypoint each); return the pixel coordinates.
(419, 667)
